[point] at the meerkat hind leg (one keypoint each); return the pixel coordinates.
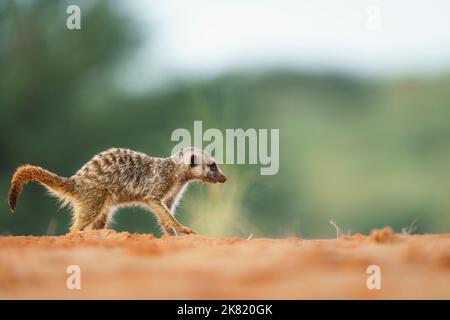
(84, 217)
(101, 221)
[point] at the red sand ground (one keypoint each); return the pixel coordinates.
(121, 265)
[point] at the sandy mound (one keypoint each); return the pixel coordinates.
(123, 265)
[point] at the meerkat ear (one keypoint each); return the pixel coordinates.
(192, 160)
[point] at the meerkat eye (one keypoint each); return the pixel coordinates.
(192, 161)
(213, 166)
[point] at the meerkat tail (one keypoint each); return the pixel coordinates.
(27, 173)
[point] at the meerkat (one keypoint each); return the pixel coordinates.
(120, 177)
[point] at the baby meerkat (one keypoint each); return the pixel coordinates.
(120, 177)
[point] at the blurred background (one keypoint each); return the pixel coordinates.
(360, 93)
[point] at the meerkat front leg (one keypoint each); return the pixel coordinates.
(168, 222)
(169, 205)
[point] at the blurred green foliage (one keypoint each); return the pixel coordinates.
(365, 153)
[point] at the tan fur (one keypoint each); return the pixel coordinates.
(119, 177)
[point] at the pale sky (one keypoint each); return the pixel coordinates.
(208, 37)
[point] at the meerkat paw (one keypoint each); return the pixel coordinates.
(181, 230)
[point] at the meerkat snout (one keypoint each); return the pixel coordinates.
(201, 165)
(213, 174)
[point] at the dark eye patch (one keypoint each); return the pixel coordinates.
(212, 166)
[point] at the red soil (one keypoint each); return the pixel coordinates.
(135, 266)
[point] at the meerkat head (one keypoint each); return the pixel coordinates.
(200, 165)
